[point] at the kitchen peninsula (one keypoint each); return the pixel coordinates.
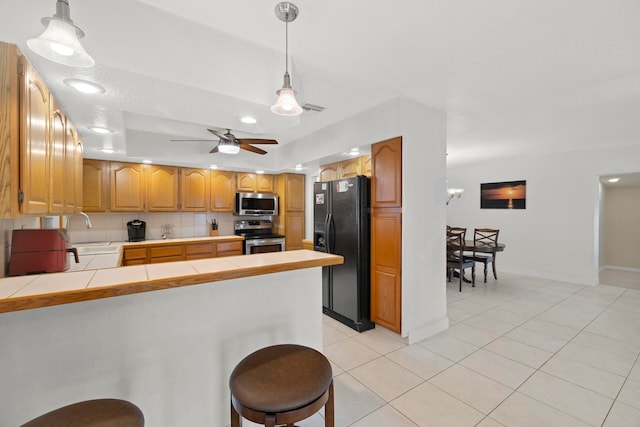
(164, 336)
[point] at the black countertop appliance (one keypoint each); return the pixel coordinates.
(136, 230)
(341, 227)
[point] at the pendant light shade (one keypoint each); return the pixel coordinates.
(286, 104)
(60, 40)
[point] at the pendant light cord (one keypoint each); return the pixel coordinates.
(286, 45)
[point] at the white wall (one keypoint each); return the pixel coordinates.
(423, 130)
(556, 236)
(621, 231)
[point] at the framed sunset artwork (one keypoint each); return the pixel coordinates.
(503, 195)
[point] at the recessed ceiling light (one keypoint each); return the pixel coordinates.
(613, 179)
(213, 167)
(108, 150)
(84, 86)
(259, 172)
(99, 129)
(354, 152)
(298, 167)
(147, 161)
(248, 120)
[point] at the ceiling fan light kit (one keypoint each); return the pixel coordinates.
(60, 40)
(228, 147)
(286, 104)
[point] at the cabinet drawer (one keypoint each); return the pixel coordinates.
(139, 253)
(230, 247)
(201, 248)
(165, 251)
(166, 259)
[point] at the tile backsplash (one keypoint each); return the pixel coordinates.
(113, 226)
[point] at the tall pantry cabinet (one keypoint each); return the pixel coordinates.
(386, 233)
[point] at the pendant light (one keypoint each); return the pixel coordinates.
(286, 105)
(59, 41)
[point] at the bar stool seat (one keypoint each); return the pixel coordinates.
(280, 385)
(92, 413)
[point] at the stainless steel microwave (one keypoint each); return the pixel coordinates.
(256, 204)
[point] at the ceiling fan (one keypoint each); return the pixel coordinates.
(231, 145)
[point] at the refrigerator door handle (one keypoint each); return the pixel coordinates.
(330, 235)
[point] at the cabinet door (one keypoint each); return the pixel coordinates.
(294, 192)
(71, 175)
(95, 185)
(77, 171)
(247, 182)
(329, 172)
(194, 190)
(386, 176)
(386, 261)
(10, 85)
(350, 168)
(34, 142)
(264, 183)
(223, 191)
(57, 135)
(162, 188)
(294, 230)
(127, 187)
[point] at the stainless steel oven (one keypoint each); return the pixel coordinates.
(259, 237)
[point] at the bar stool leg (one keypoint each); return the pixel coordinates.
(270, 420)
(236, 421)
(328, 409)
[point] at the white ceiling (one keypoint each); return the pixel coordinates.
(516, 77)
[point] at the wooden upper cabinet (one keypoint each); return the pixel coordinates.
(58, 133)
(255, 182)
(72, 170)
(95, 185)
(350, 168)
(386, 182)
(294, 192)
(162, 188)
(34, 142)
(194, 190)
(127, 187)
(330, 172)
(366, 165)
(223, 191)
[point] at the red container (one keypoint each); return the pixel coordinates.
(38, 251)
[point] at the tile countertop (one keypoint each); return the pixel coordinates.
(43, 290)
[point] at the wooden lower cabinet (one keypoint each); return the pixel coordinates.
(156, 253)
(229, 248)
(294, 229)
(386, 263)
(199, 251)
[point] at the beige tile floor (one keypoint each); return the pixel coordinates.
(520, 351)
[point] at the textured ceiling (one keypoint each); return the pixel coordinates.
(516, 77)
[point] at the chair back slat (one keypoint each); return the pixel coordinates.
(485, 237)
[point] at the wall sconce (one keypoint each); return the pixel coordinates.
(453, 193)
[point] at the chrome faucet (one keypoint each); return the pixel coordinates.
(86, 219)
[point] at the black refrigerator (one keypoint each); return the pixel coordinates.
(341, 227)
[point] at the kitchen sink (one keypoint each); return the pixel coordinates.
(96, 248)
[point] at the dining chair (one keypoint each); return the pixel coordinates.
(485, 237)
(455, 260)
(457, 230)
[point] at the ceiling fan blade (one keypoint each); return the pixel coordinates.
(214, 150)
(252, 148)
(187, 140)
(219, 135)
(256, 141)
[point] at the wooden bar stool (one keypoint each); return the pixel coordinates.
(92, 413)
(280, 385)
